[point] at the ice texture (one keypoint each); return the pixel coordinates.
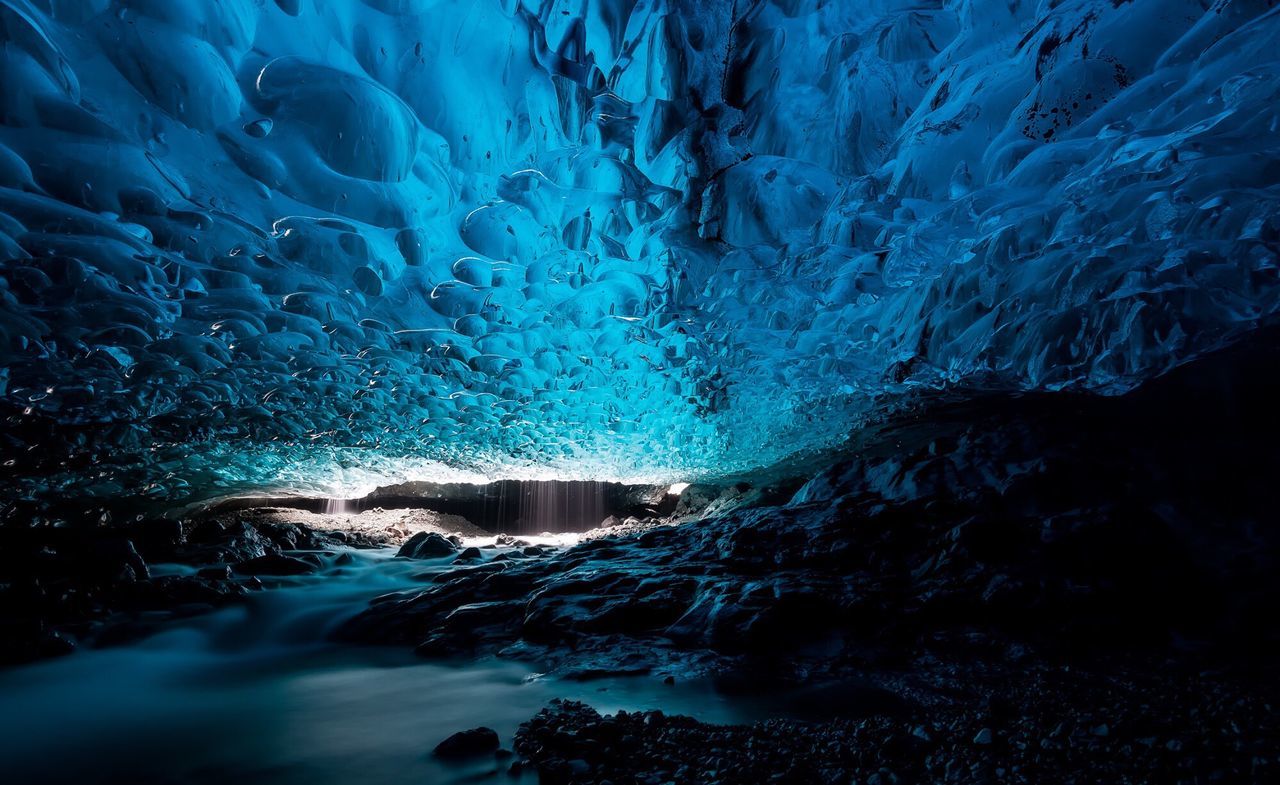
(255, 243)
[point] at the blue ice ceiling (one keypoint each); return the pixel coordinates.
(251, 243)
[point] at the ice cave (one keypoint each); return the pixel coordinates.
(639, 392)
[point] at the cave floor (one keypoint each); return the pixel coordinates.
(255, 692)
(237, 671)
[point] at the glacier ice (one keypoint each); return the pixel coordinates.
(248, 243)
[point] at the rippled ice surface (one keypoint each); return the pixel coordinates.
(345, 243)
(254, 694)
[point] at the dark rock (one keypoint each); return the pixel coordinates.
(159, 537)
(220, 540)
(126, 555)
(55, 644)
(468, 743)
(275, 564)
(172, 591)
(24, 640)
(426, 545)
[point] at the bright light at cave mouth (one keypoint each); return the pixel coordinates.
(245, 249)
(344, 485)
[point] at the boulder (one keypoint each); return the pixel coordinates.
(427, 545)
(468, 743)
(274, 564)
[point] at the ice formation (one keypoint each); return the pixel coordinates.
(254, 242)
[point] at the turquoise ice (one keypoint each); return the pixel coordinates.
(328, 243)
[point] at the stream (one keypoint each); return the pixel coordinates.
(256, 693)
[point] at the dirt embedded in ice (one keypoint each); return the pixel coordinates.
(384, 527)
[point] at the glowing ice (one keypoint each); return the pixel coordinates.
(247, 243)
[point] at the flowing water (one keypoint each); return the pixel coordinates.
(256, 694)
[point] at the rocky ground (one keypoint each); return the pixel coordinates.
(1038, 726)
(100, 583)
(1047, 588)
(1034, 589)
(959, 643)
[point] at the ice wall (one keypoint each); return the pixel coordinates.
(331, 242)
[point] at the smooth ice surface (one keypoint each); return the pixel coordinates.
(255, 243)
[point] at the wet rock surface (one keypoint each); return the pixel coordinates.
(93, 582)
(428, 545)
(468, 744)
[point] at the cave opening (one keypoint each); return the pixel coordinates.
(517, 507)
